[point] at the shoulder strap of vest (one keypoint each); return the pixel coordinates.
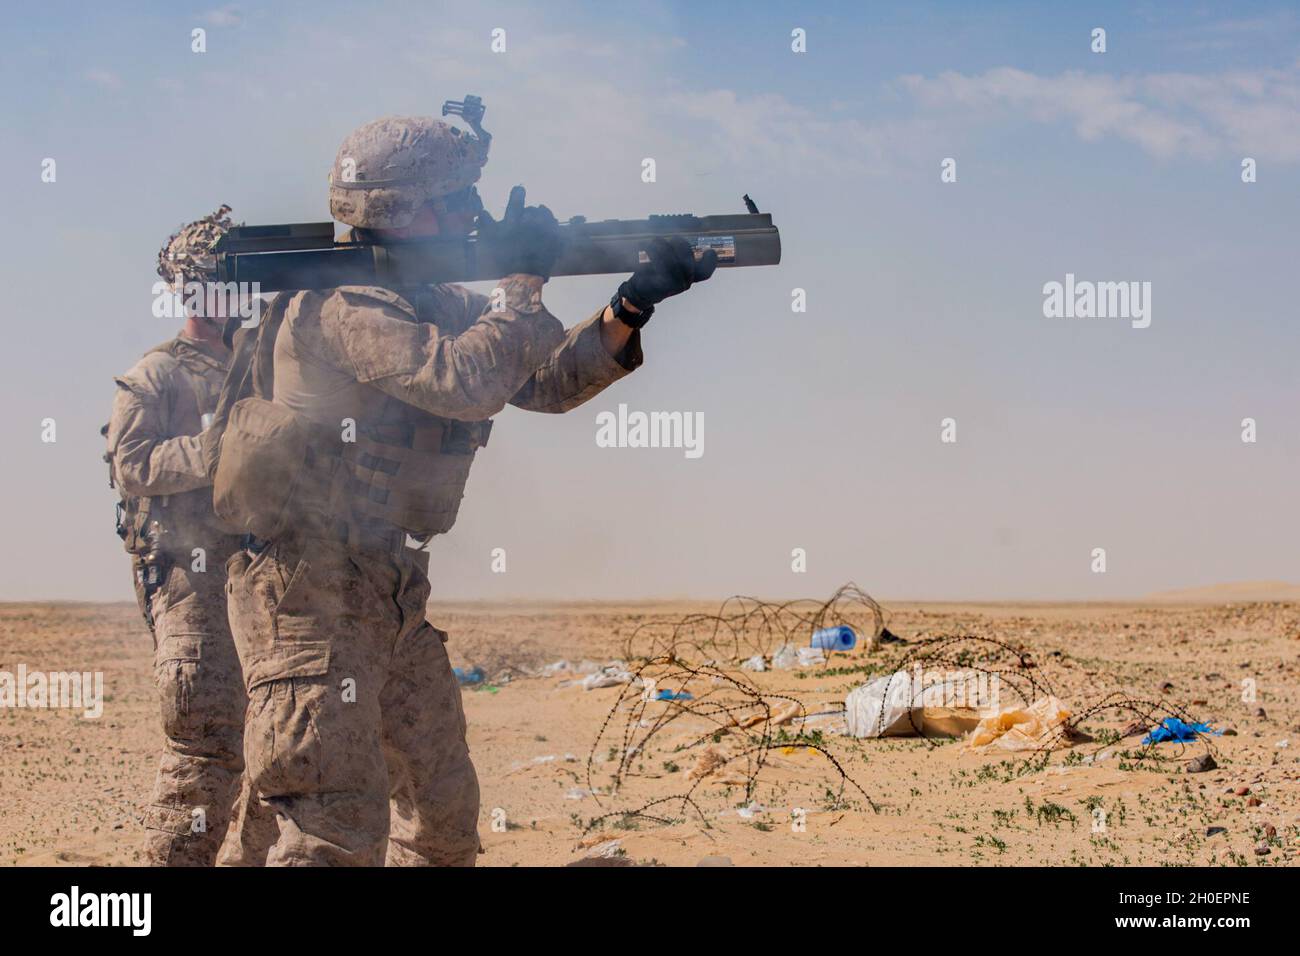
(169, 347)
(193, 361)
(192, 356)
(251, 372)
(263, 357)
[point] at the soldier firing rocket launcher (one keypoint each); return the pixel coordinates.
(306, 255)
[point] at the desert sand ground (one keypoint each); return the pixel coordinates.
(71, 789)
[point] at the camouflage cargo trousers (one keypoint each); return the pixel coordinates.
(353, 708)
(201, 692)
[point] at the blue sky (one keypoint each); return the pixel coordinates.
(822, 428)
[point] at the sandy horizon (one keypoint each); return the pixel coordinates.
(1227, 592)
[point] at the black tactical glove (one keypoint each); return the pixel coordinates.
(671, 271)
(527, 239)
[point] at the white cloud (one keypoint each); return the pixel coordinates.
(227, 16)
(767, 129)
(1168, 115)
(106, 79)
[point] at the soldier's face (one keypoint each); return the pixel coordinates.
(448, 216)
(425, 223)
(209, 307)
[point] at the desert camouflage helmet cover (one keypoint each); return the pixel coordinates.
(386, 170)
(187, 254)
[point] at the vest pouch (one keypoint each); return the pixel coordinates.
(263, 458)
(133, 523)
(418, 491)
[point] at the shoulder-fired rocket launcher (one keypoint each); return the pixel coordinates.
(306, 255)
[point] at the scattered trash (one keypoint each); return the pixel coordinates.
(1036, 727)
(1214, 831)
(889, 637)
(469, 678)
(744, 626)
(1171, 728)
(749, 812)
(715, 861)
(611, 675)
(577, 793)
(786, 658)
(605, 850)
(810, 656)
(674, 695)
(839, 638)
(790, 656)
(881, 707)
(712, 763)
(730, 727)
(774, 716)
(902, 704)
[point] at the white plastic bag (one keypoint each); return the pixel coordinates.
(1040, 726)
(810, 656)
(937, 703)
(881, 707)
(786, 658)
(611, 675)
(790, 656)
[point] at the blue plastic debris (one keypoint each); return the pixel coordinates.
(474, 675)
(674, 695)
(1171, 728)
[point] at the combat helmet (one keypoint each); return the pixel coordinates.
(387, 169)
(187, 254)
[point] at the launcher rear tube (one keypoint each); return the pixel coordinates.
(588, 249)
